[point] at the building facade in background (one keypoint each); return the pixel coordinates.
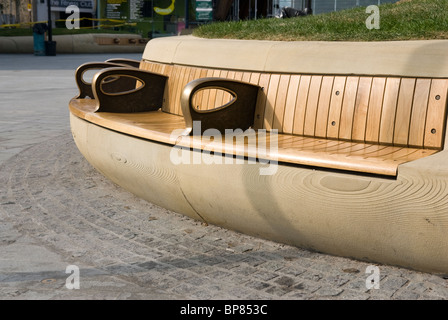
(157, 18)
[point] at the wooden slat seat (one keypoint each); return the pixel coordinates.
(368, 124)
(309, 151)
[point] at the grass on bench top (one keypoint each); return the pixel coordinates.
(403, 20)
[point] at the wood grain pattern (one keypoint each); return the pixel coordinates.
(348, 108)
(220, 93)
(290, 104)
(212, 92)
(302, 98)
(323, 107)
(200, 94)
(168, 89)
(177, 78)
(283, 88)
(271, 96)
(375, 110)
(261, 104)
(419, 109)
(389, 110)
(436, 114)
(309, 126)
(403, 113)
(334, 114)
(246, 77)
(361, 109)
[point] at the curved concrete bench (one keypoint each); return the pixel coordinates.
(354, 135)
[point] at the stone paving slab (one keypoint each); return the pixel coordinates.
(34, 95)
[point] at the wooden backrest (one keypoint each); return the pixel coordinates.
(374, 109)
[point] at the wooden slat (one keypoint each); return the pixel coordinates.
(279, 109)
(323, 145)
(157, 67)
(302, 98)
(213, 92)
(191, 77)
(366, 150)
(345, 147)
(197, 75)
(413, 154)
(220, 93)
(334, 114)
(404, 109)
(168, 88)
(246, 77)
(361, 109)
(254, 78)
(323, 107)
(290, 104)
(200, 94)
(382, 152)
(150, 66)
(375, 109)
(436, 116)
(389, 110)
(348, 108)
(418, 118)
(163, 68)
(183, 80)
(311, 106)
(206, 93)
(261, 104)
(238, 75)
(174, 82)
(296, 141)
(179, 85)
(270, 101)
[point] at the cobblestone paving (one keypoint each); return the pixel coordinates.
(127, 248)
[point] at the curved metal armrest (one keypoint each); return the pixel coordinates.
(127, 62)
(239, 113)
(85, 88)
(146, 96)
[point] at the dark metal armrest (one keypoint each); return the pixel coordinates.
(85, 88)
(147, 95)
(237, 114)
(127, 62)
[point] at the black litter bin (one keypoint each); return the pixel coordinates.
(39, 30)
(50, 48)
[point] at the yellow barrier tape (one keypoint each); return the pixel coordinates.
(25, 24)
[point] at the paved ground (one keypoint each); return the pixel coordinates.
(56, 212)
